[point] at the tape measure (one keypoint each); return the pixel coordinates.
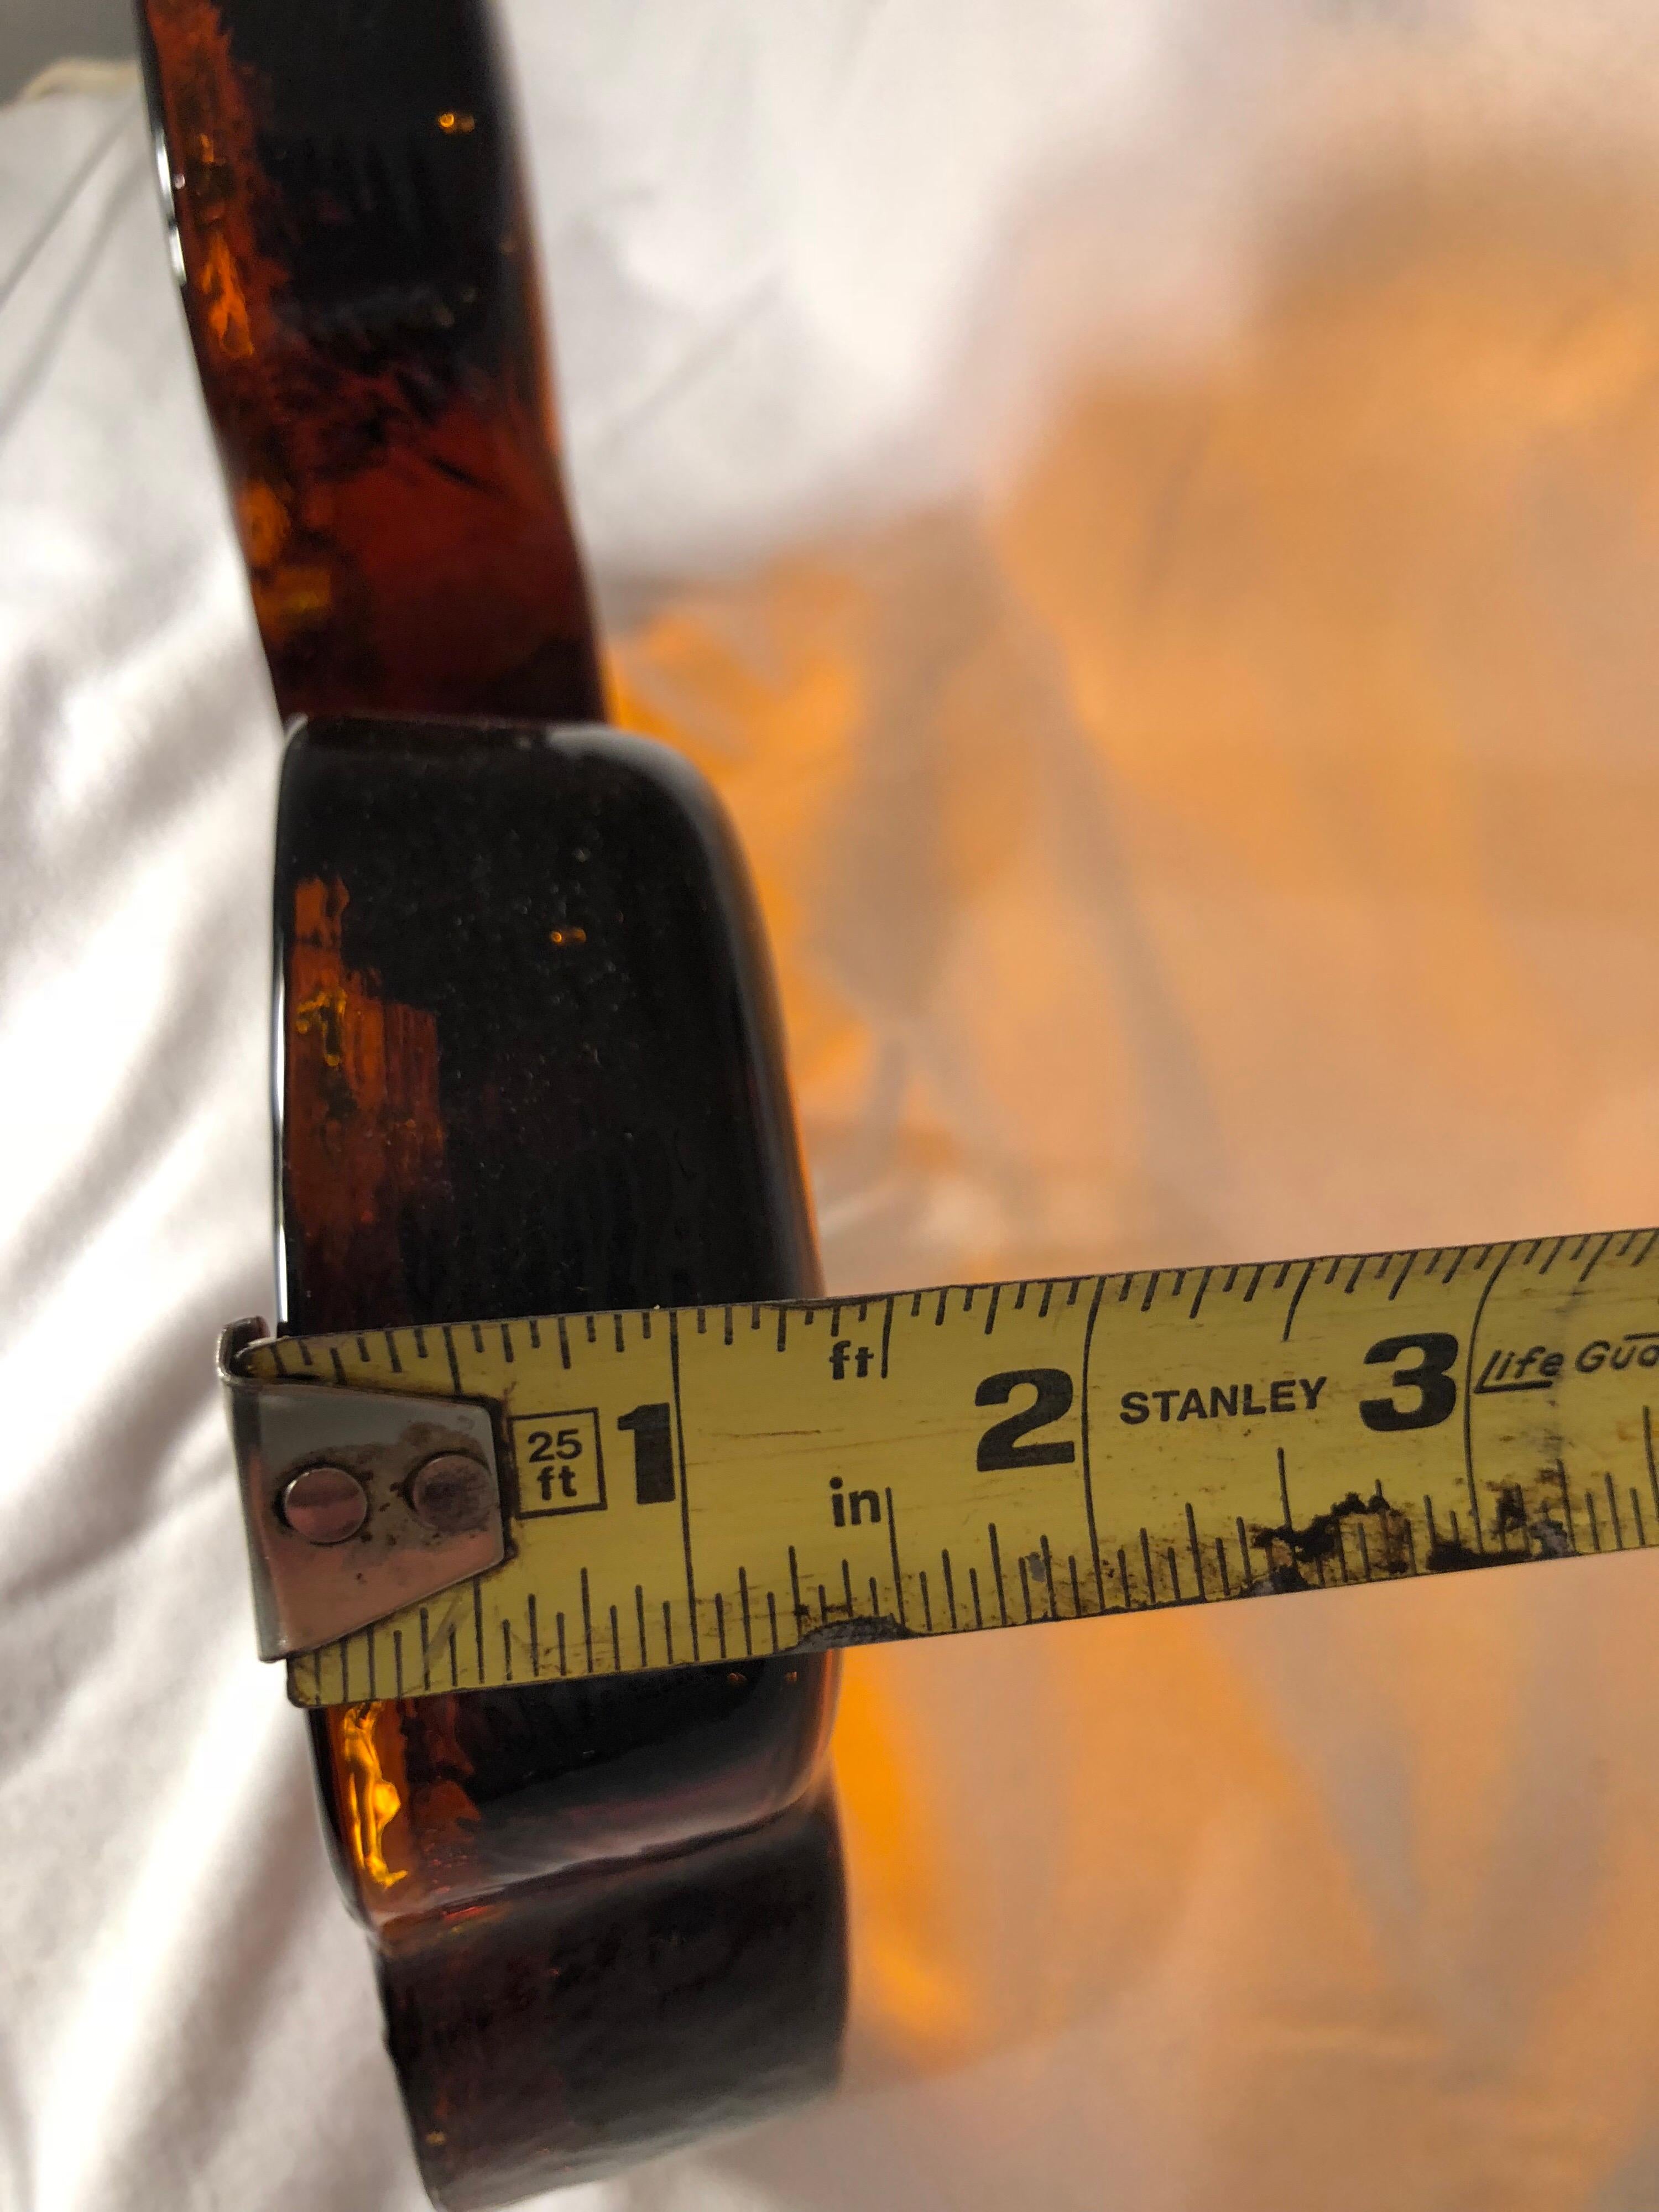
(724, 1482)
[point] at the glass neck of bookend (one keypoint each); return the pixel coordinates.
(353, 240)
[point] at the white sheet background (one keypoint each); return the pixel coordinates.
(1151, 514)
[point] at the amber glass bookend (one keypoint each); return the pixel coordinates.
(528, 1060)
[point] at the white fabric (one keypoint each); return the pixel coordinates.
(1151, 512)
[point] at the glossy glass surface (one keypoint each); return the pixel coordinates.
(590, 2023)
(531, 1052)
(530, 1059)
(359, 278)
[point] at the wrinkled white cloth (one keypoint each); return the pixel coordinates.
(1150, 514)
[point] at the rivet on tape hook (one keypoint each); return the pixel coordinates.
(357, 1502)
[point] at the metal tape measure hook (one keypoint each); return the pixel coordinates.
(356, 1502)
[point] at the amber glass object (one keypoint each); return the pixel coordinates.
(359, 278)
(528, 1061)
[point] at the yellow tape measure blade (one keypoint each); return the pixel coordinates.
(727, 1482)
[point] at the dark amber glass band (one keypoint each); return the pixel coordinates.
(358, 270)
(531, 1056)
